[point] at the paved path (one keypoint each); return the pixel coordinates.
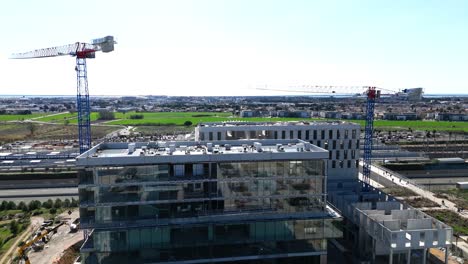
(34, 118)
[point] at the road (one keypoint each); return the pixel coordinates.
(41, 194)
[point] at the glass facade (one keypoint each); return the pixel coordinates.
(262, 208)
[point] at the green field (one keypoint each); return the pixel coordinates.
(60, 118)
(18, 117)
(170, 118)
(178, 119)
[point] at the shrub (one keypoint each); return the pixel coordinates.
(188, 123)
(53, 210)
(137, 116)
(66, 203)
(105, 115)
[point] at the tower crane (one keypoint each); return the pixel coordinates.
(81, 51)
(371, 92)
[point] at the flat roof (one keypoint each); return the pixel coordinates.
(277, 123)
(114, 153)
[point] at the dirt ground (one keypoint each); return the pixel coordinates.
(10, 132)
(60, 241)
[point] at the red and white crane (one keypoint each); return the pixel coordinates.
(371, 92)
(81, 51)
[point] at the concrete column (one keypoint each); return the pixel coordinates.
(323, 259)
(223, 135)
(390, 257)
(424, 256)
(373, 251)
(446, 255)
(408, 258)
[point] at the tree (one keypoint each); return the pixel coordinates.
(106, 115)
(22, 206)
(33, 205)
(66, 203)
(32, 128)
(11, 206)
(74, 203)
(58, 203)
(48, 204)
(14, 227)
(187, 123)
(3, 206)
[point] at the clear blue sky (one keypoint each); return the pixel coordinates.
(224, 47)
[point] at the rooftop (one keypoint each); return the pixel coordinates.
(190, 151)
(279, 123)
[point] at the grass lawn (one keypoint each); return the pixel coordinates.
(61, 118)
(459, 224)
(7, 237)
(19, 117)
(399, 191)
(459, 197)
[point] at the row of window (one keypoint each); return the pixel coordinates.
(240, 233)
(259, 207)
(337, 155)
(341, 163)
(189, 171)
(301, 134)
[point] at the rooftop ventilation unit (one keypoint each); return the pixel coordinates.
(171, 148)
(258, 146)
(131, 148)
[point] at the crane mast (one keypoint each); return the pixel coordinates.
(82, 103)
(81, 51)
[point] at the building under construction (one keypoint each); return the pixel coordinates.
(200, 202)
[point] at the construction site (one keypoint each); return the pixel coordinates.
(217, 191)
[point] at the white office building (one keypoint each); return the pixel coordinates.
(340, 138)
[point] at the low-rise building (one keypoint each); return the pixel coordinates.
(451, 117)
